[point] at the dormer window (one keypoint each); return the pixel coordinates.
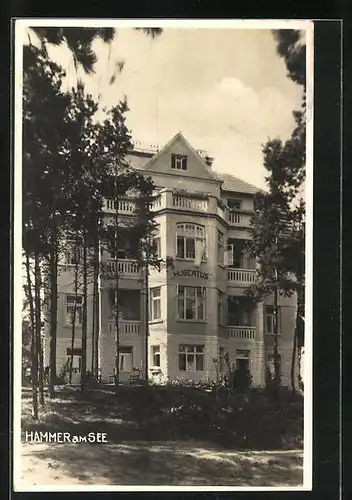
(179, 162)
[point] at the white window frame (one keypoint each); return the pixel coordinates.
(190, 231)
(155, 355)
(123, 356)
(270, 315)
(193, 351)
(195, 294)
(179, 162)
(154, 299)
(70, 305)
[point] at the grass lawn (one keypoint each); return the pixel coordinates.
(136, 455)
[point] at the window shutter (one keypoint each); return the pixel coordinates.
(173, 161)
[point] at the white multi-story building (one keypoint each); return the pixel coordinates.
(197, 309)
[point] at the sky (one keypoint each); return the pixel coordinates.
(226, 90)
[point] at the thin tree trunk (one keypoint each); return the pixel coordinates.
(84, 313)
(53, 312)
(293, 363)
(34, 366)
(97, 328)
(38, 327)
(117, 315)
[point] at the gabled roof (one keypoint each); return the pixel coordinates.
(179, 135)
(232, 183)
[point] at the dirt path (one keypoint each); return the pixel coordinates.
(142, 463)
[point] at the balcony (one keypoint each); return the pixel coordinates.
(241, 277)
(187, 203)
(238, 219)
(165, 199)
(124, 207)
(126, 268)
(242, 332)
(125, 327)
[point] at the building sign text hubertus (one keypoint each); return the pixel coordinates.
(196, 273)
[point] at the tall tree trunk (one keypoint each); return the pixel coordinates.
(299, 330)
(277, 375)
(146, 305)
(95, 311)
(34, 364)
(117, 315)
(53, 311)
(84, 313)
(38, 327)
(73, 331)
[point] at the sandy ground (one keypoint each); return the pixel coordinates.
(141, 463)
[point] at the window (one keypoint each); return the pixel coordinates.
(155, 304)
(191, 242)
(270, 367)
(242, 360)
(270, 319)
(125, 359)
(155, 355)
(221, 311)
(191, 358)
(240, 312)
(157, 247)
(220, 248)
(179, 162)
(191, 302)
(72, 253)
(234, 204)
(70, 304)
(129, 304)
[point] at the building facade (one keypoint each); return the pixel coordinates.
(197, 309)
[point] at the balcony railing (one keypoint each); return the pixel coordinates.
(126, 207)
(126, 268)
(168, 199)
(242, 277)
(125, 327)
(242, 332)
(186, 203)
